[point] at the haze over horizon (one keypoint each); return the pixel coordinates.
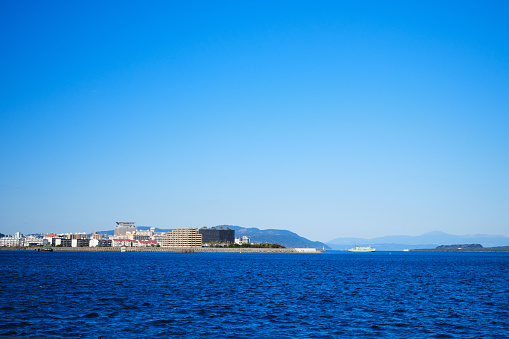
(431, 233)
(326, 119)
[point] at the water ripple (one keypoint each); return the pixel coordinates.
(222, 295)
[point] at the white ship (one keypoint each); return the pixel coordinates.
(362, 249)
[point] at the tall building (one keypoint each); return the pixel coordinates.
(124, 227)
(182, 237)
(217, 235)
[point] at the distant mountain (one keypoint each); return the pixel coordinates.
(110, 232)
(428, 240)
(271, 236)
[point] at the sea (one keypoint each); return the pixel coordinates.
(254, 295)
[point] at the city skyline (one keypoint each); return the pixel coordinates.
(326, 119)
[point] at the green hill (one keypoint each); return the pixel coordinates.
(275, 236)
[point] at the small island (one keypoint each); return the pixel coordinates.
(465, 248)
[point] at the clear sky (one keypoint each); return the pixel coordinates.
(326, 118)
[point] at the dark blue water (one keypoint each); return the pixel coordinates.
(221, 295)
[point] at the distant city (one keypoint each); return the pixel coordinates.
(126, 234)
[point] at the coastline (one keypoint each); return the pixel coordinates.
(484, 250)
(464, 248)
(169, 249)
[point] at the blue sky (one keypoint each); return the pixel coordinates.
(328, 119)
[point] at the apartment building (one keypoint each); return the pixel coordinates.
(182, 237)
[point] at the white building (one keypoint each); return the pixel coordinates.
(133, 243)
(61, 241)
(149, 233)
(12, 241)
(49, 240)
(80, 242)
(242, 240)
(158, 237)
(145, 243)
(99, 242)
(137, 236)
(306, 250)
(32, 240)
(121, 243)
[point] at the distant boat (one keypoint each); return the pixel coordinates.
(406, 250)
(362, 249)
(47, 248)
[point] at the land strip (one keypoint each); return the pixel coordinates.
(464, 248)
(170, 249)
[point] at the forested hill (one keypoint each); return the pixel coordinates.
(275, 236)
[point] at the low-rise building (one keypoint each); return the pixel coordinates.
(49, 239)
(242, 240)
(158, 237)
(33, 240)
(145, 243)
(150, 232)
(99, 243)
(306, 250)
(133, 243)
(80, 242)
(63, 242)
(96, 235)
(12, 241)
(121, 242)
(136, 236)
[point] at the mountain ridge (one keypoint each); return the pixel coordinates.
(282, 237)
(426, 240)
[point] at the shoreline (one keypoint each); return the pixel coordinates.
(169, 249)
(486, 250)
